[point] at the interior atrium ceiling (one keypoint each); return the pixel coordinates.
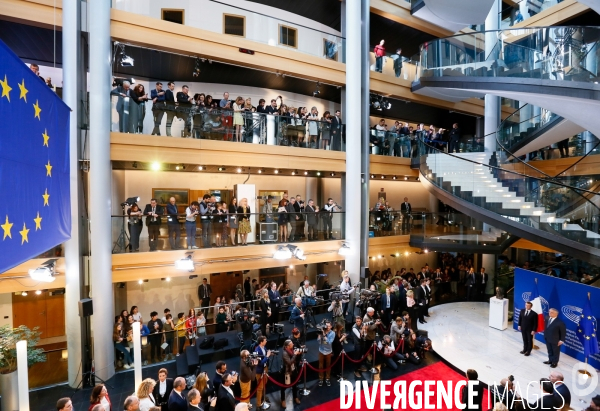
(326, 12)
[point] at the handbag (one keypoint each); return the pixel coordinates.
(288, 379)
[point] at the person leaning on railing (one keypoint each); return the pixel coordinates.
(169, 330)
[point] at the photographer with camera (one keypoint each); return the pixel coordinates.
(297, 317)
(325, 340)
(247, 374)
(328, 210)
(290, 355)
(372, 323)
(336, 309)
(263, 355)
(245, 323)
(359, 336)
(398, 330)
(346, 289)
(391, 358)
(206, 209)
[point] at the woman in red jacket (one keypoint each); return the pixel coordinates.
(99, 396)
(379, 52)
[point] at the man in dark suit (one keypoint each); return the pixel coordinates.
(162, 389)
(547, 401)
(554, 334)
(477, 388)
(184, 101)
(220, 370)
(401, 304)
(173, 224)
(454, 138)
(297, 317)
(405, 210)
(153, 211)
(155, 338)
(158, 107)
(312, 219)
(561, 391)
(170, 106)
(275, 303)
(336, 131)
(176, 400)
(482, 280)
(388, 304)
(193, 398)
(420, 295)
(471, 284)
(225, 397)
(123, 92)
(528, 323)
(204, 293)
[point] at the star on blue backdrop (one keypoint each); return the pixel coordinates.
(35, 211)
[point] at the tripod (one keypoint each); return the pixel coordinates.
(121, 243)
(88, 378)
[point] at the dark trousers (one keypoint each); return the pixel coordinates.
(293, 377)
(174, 235)
(158, 115)
(379, 64)
(274, 315)
(313, 231)
(453, 146)
(386, 317)
(563, 147)
(527, 341)
(153, 232)
(421, 310)
(553, 353)
(170, 117)
(135, 230)
(155, 341)
(471, 291)
(405, 222)
(181, 342)
(205, 233)
(328, 228)
(398, 71)
(205, 303)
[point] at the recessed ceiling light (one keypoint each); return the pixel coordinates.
(38, 292)
(318, 173)
(259, 171)
(155, 166)
(306, 173)
(382, 177)
(332, 174)
(200, 168)
(393, 178)
(405, 178)
(176, 167)
(239, 170)
(293, 173)
(140, 281)
(276, 171)
(372, 175)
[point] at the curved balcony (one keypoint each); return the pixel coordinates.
(551, 67)
(452, 15)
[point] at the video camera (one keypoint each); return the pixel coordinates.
(323, 324)
(336, 296)
(278, 328)
(301, 350)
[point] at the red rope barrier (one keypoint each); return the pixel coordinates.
(326, 369)
(362, 359)
(292, 384)
(395, 351)
(251, 394)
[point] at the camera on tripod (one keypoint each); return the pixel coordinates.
(278, 328)
(336, 296)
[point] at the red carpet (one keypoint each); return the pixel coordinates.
(435, 372)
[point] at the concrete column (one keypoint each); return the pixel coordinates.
(72, 73)
(353, 136)
(365, 163)
(100, 203)
(492, 103)
(488, 261)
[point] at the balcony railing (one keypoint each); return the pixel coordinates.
(168, 232)
(199, 122)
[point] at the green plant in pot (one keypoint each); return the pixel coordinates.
(8, 351)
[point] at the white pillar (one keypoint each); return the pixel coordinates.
(353, 136)
(100, 187)
(137, 355)
(488, 261)
(71, 74)
(492, 103)
(23, 375)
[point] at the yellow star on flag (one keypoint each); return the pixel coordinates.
(37, 109)
(24, 233)
(46, 137)
(38, 222)
(48, 169)
(24, 91)
(5, 88)
(6, 227)
(46, 197)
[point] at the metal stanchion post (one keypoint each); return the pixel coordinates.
(374, 369)
(304, 391)
(265, 405)
(343, 354)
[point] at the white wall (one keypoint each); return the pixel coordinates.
(262, 22)
(6, 312)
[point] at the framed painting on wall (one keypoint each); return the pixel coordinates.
(162, 195)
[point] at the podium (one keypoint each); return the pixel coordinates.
(498, 313)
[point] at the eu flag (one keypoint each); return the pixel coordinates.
(587, 330)
(35, 212)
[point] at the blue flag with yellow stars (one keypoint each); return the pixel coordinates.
(587, 330)
(35, 213)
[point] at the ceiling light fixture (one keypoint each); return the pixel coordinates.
(306, 173)
(44, 273)
(276, 171)
(185, 263)
(200, 168)
(155, 166)
(345, 250)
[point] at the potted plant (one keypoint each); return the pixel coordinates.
(9, 337)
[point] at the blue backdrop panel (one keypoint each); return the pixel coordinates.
(567, 297)
(35, 212)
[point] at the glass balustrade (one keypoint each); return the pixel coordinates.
(199, 122)
(296, 33)
(554, 53)
(393, 64)
(525, 123)
(162, 233)
(522, 10)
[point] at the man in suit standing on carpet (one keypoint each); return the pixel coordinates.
(421, 300)
(554, 334)
(528, 322)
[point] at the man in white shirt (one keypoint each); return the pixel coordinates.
(225, 397)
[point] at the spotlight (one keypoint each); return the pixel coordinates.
(397, 254)
(296, 252)
(259, 171)
(405, 178)
(38, 292)
(185, 263)
(332, 174)
(239, 170)
(222, 169)
(387, 105)
(200, 168)
(167, 279)
(318, 173)
(191, 277)
(155, 166)
(306, 173)
(293, 173)
(282, 253)
(393, 178)
(406, 253)
(176, 167)
(372, 175)
(124, 59)
(291, 267)
(345, 250)
(135, 164)
(44, 273)
(140, 282)
(382, 177)
(276, 171)
(24, 293)
(425, 251)
(130, 201)
(196, 71)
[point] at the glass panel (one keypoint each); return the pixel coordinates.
(522, 10)
(200, 122)
(234, 25)
(222, 230)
